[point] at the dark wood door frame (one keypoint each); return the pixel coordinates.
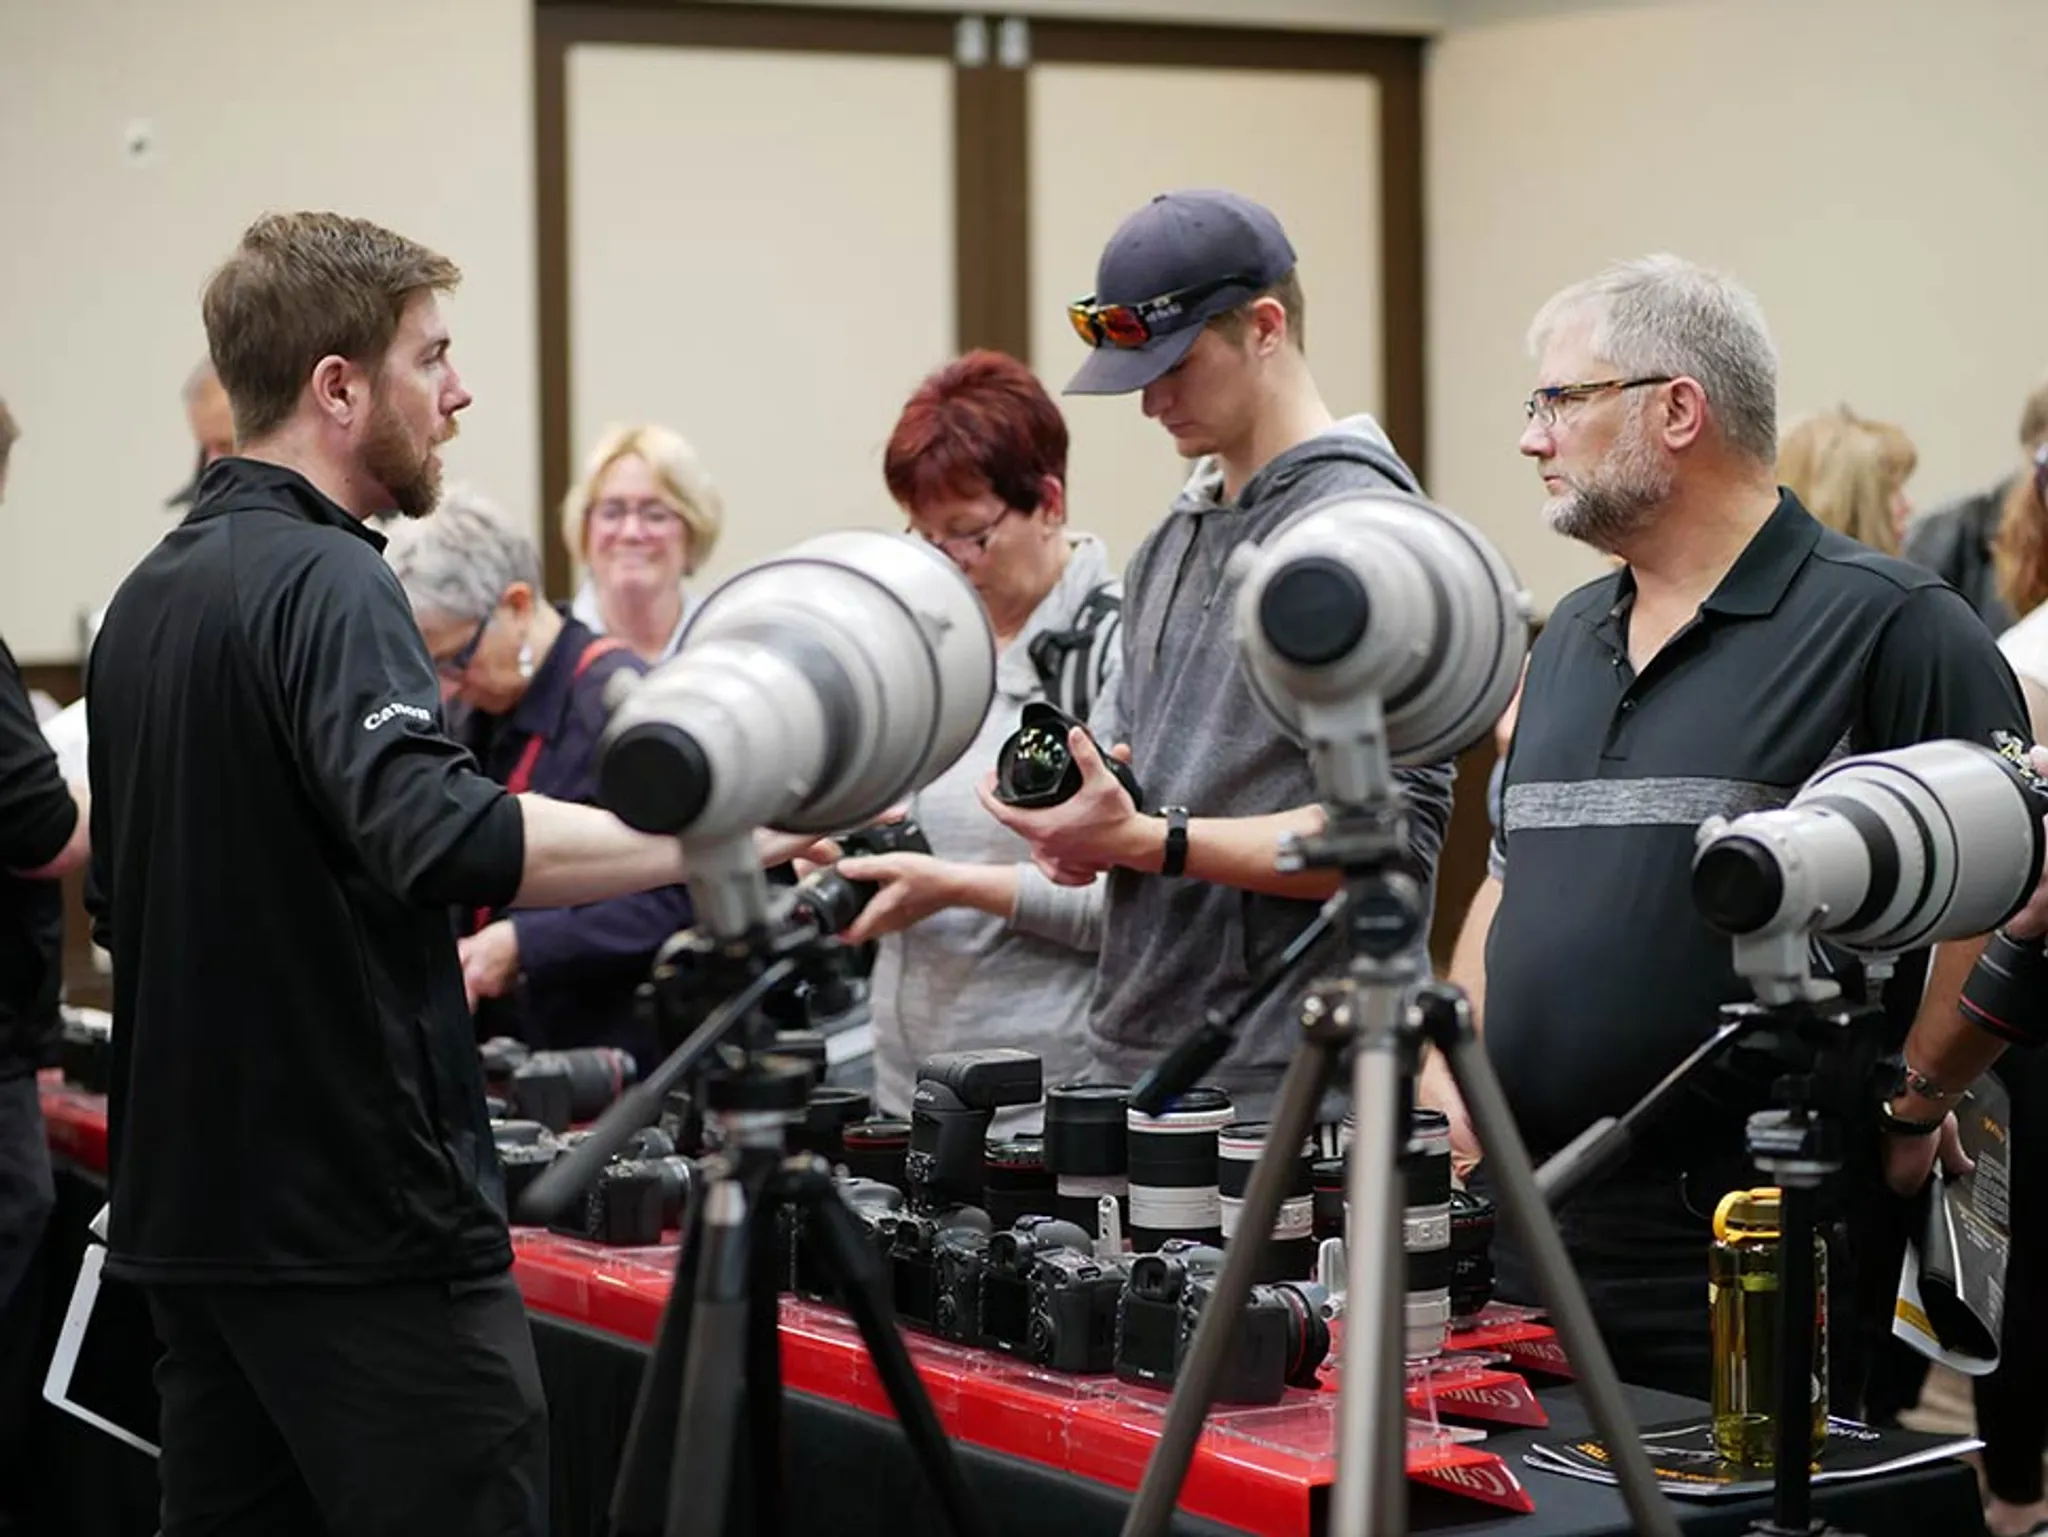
(992, 137)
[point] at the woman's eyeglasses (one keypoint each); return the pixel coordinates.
(454, 667)
(655, 517)
(974, 543)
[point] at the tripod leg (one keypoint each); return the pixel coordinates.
(640, 1494)
(764, 1369)
(1371, 1495)
(1216, 1331)
(849, 1261)
(1792, 1495)
(1523, 1206)
(701, 1482)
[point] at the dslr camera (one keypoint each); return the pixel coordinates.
(830, 901)
(86, 1051)
(874, 1206)
(556, 1088)
(957, 1095)
(1280, 1344)
(935, 1265)
(634, 1198)
(1047, 1299)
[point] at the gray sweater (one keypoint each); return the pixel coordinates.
(964, 979)
(1173, 949)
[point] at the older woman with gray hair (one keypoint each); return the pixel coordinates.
(533, 679)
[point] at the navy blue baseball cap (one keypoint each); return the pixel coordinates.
(1170, 268)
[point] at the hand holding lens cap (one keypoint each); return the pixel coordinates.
(1035, 768)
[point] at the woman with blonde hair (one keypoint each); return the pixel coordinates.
(1851, 474)
(643, 517)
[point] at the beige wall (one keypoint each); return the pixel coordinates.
(775, 308)
(366, 108)
(1868, 165)
(1872, 168)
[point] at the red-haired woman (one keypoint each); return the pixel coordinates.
(981, 949)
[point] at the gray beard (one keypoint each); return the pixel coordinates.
(1620, 498)
(1604, 516)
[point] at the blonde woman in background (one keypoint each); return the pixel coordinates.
(1851, 474)
(644, 517)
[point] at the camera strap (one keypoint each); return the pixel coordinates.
(520, 780)
(1073, 663)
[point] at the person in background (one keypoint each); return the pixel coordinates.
(1851, 474)
(212, 422)
(533, 679)
(1978, 542)
(213, 437)
(644, 517)
(42, 838)
(978, 947)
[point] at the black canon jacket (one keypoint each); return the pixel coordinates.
(37, 818)
(279, 827)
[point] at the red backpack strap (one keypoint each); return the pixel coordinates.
(520, 780)
(598, 647)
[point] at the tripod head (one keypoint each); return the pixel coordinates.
(709, 993)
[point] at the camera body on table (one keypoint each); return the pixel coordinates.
(1281, 1341)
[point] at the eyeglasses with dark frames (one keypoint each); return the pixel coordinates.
(454, 667)
(974, 542)
(1542, 406)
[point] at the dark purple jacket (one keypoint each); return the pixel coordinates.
(579, 966)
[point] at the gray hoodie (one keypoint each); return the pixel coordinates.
(1172, 949)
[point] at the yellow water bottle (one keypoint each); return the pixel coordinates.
(1742, 1291)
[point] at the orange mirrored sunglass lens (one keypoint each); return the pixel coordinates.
(1122, 327)
(1082, 322)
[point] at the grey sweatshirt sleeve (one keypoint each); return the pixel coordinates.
(1065, 915)
(1429, 815)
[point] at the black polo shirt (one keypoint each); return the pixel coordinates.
(37, 818)
(279, 827)
(1600, 975)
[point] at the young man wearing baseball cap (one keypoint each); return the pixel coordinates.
(1198, 310)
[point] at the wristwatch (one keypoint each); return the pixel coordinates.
(1899, 1126)
(1176, 859)
(1904, 1077)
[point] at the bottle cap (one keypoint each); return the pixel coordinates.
(1747, 1214)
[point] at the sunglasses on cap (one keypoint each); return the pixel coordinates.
(1133, 325)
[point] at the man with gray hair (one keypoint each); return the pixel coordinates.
(1737, 647)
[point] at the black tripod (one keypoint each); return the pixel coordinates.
(711, 1399)
(1368, 1008)
(1798, 1144)
(1820, 1054)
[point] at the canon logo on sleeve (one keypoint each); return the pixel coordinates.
(394, 711)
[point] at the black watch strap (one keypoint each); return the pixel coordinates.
(1899, 1126)
(1176, 859)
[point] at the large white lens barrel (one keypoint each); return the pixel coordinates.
(1173, 1170)
(1426, 1232)
(1883, 853)
(1289, 1254)
(812, 692)
(1383, 595)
